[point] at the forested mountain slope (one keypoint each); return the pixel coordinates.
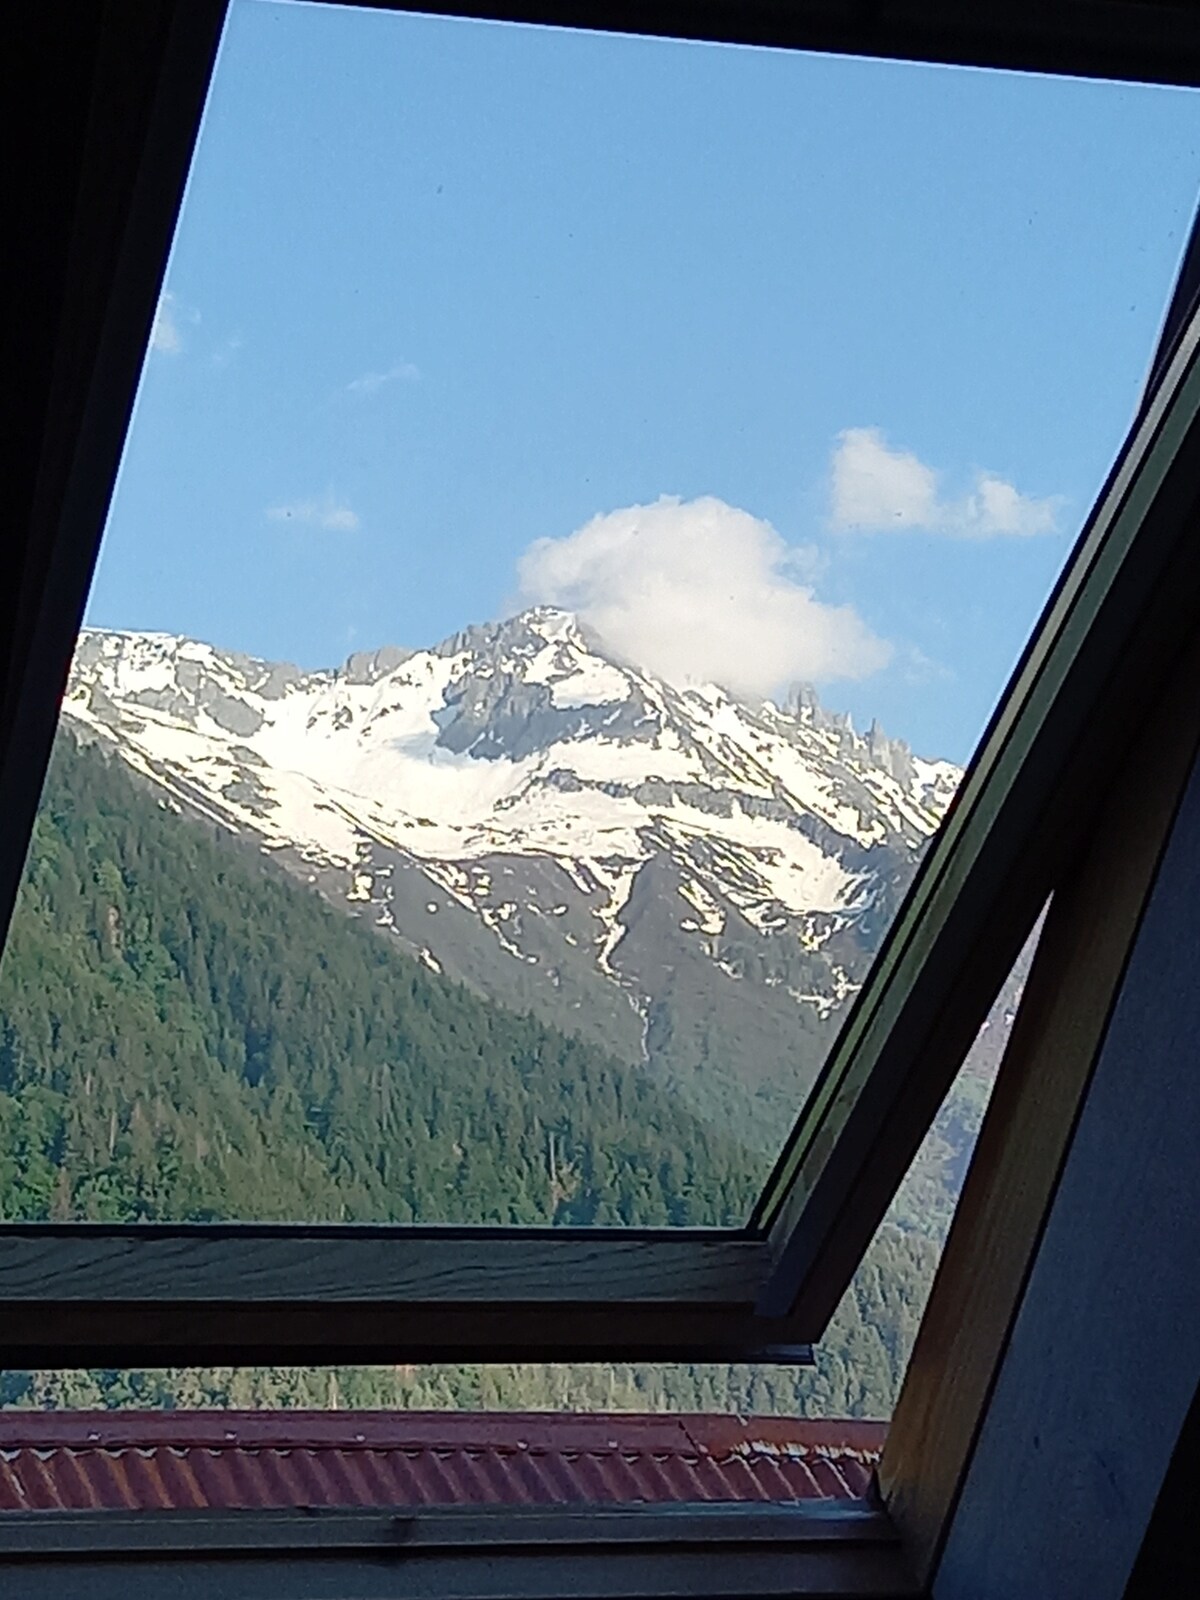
(184, 1034)
(688, 880)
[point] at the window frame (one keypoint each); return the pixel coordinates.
(817, 1549)
(1081, 970)
(202, 1294)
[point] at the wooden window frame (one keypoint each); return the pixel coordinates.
(199, 1294)
(810, 1549)
(1096, 954)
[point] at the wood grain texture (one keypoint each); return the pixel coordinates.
(444, 1527)
(1076, 974)
(868, 1573)
(262, 1265)
(80, 1296)
(1103, 1359)
(822, 1552)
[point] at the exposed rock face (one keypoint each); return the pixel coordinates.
(368, 666)
(696, 881)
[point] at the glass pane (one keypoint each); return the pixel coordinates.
(557, 460)
(787, 1417)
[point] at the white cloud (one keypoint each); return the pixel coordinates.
(372, 382)
(874, 487)
(172, 317)
(165, 335)
(326, 513)
(877, 489)
(698, 591)
(996, 507)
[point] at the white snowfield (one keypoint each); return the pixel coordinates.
(522, 739)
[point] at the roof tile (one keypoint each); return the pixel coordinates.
(230, 1459)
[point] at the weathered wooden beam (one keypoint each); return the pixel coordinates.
(1076, 972)
(157, 1294)
(70, 1264)
(409, 1528)
(1102, 1357)
(821, 1551)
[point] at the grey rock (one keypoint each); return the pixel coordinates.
(368, 666)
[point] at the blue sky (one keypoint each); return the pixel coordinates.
(450, 301)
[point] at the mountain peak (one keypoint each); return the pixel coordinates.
(368, 666)
(551, 622)
(536, 819)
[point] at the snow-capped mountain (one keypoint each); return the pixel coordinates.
(693, 880)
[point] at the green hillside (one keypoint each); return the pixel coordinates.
(184, 1035)
(187, 1034)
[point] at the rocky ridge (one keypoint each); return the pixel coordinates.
(692, 880)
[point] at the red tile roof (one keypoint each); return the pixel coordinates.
(239, 1459)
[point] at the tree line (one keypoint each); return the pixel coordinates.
(186, 1034)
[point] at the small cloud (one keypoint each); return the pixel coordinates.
(874, 487)
(166, 336)
(996, 507)
(877, 489)
(699, 591)
(372, 382)
(325, 513)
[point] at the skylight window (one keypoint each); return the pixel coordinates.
(585, 499)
